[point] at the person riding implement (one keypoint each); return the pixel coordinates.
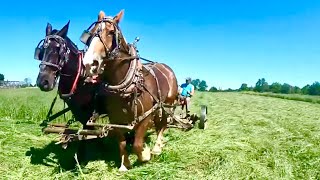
(185, 93)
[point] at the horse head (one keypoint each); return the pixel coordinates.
(104, 41)
(59, 57)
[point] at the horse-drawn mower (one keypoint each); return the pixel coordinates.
(178, 119)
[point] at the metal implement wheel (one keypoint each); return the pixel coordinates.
(203, 116)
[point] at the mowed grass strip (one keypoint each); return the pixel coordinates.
(248, 137)
(295, 97)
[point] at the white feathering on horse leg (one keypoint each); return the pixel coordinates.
(122, 168)
(145, 154)
(157, 149)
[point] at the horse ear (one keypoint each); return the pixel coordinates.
(119, 16)
(101, 15)
(48, 29)
(64, 31)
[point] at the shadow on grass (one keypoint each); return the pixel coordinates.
(106, 149)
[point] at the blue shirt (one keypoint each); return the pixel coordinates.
(186, 88)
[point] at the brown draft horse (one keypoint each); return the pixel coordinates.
(138, 94)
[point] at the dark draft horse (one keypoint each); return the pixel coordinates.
(139, 94)
(60, 57)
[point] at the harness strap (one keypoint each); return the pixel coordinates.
(50, 117)
(51, 107)
(75, 83)
(147, 113)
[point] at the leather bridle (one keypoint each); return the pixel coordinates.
(87, 36)
(64, 51)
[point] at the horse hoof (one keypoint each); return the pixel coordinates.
(156, 150)
(123, 168)
(145, 155)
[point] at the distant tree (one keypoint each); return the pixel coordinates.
(275, 87)
(257, 88)
(305, 89)
(244, 87)
(297, 90)
(27, 81)
(315, 88)
(229, 90)
(261, 85)
(196, 83)
(287, 89)
(213, 89)
(203, 85)
(1, 77)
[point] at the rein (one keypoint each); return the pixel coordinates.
(75, 82)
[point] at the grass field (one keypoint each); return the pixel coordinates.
(248, 137)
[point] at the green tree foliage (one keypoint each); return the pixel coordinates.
(1, 77)
(196, 83)
(287, 89)
(305, 89)
(261, 85)
(314, 89)
(203, 85)
(244, 87)
(275, 87)
(297, 90)
(213, 89)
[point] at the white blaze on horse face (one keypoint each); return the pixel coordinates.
(91, 55)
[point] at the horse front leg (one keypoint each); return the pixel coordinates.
(160, 127)
(125, 162)
(140, 148)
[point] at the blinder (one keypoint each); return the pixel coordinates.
(38, 52)
(86, 36)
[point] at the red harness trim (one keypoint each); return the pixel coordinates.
(74, 86)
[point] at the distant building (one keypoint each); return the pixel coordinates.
(11, 84)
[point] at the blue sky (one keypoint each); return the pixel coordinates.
(225, 43)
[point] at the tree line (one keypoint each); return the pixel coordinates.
(263, 86)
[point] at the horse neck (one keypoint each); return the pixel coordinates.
(115, 71)
(69, 71)
(71, 66)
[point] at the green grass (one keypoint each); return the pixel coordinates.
(248, 137)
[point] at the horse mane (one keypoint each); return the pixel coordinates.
(73, 45)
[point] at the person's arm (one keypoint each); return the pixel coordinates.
(192, 91)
